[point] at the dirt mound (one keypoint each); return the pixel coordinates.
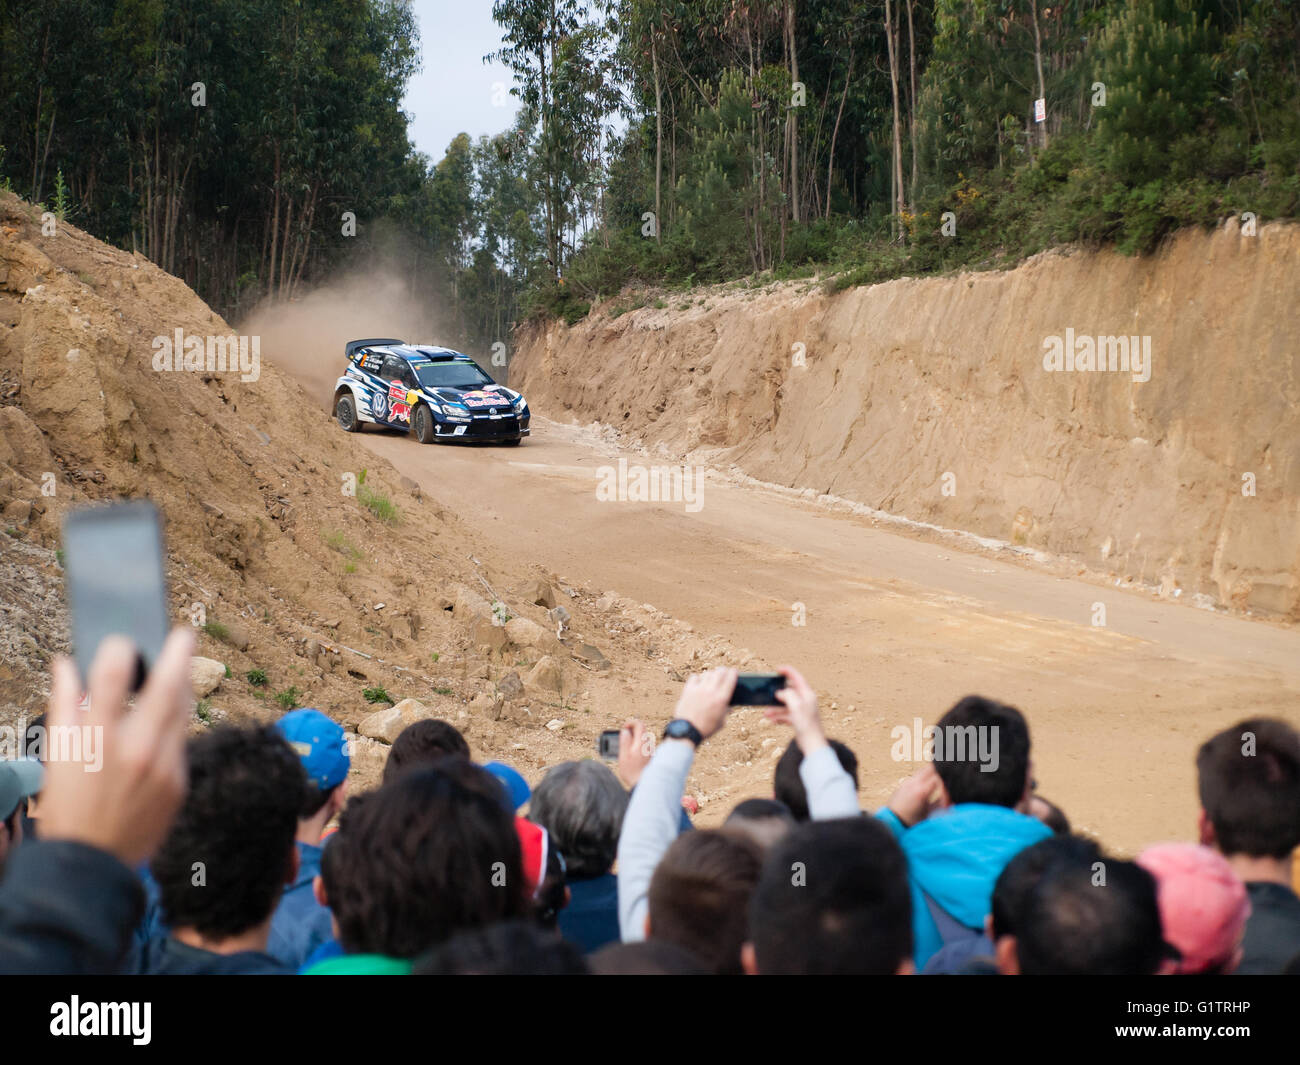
(318, 575)
(930, 399)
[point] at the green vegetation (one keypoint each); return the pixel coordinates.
(289, 699)
(442, 691)
(337, 541)
(378, 504)
(216, 630)
(377, 695)
(833, 139)
(203, 711)
(256, 677)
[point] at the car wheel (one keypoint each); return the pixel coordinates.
(515, 442)
(345, 410)
(422, 424)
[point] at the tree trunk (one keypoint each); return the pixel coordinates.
(1038, 66)
(793, 115)
(830, 163)
(911, 59)
(659, 136)
(897, 177)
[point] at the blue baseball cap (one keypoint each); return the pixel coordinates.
(20, 779)
(516, 786)
(319, 743)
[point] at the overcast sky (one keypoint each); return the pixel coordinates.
(456, 92)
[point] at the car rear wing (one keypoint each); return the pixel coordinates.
(352, 346)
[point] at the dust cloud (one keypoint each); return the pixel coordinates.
(305, 336)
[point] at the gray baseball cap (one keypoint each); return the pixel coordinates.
(19, 778)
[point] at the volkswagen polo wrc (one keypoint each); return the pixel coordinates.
(432, 393)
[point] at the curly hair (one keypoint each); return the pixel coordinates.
(230, 853)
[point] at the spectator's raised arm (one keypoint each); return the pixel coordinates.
(70, 900)
(831, 792)
(654, 812)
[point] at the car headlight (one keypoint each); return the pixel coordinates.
(454, 412)
(523, 404)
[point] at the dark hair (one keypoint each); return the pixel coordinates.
(788, 785)
(314, 799)
(1249, 783)
(237, 826)
(552, 893)
(833, 899)
(1073, 923)
(511, 948)
(649, 957)
(1055, 818)
(964, 777)
(422, 743)
(430, 854)
(581, 805)
(699, 895)
(1022, 874)
(760, 810)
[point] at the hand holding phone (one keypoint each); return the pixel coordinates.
(797, 707)
(113, 573)
(757, 689)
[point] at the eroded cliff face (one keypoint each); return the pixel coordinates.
(955, 400)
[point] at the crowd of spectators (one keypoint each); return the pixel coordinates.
(241, 851)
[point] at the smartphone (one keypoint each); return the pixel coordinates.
(757, 689)
(114, 580)
(607, 745)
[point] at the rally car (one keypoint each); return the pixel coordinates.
(432, 393)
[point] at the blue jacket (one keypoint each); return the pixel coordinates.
(590, 921)
(955, 857)
(169, 957)
(300, 923)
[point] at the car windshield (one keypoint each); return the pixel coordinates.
(450, 375)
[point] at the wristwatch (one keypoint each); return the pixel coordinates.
(681, 729)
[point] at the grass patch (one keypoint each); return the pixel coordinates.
(379, 505)
(377, 695)
(256, 677)
(336, 541)
(203, 710)
(442, 691)
(289, 698)
(216, 630)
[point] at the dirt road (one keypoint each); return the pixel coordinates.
(897, 627)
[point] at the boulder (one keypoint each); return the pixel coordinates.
(383, 725)
(206, 674)
(469, 605)
(510, 686)
(525, 633)
(545, 675)
(487, 636)
(413, 710)
(544, 595)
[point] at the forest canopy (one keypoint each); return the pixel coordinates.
(253, 147)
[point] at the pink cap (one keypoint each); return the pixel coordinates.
(1203, 903)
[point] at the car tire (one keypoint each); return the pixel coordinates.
(513, 443)
(345, 412)
(422, 424)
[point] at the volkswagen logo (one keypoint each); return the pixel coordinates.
(492, 410)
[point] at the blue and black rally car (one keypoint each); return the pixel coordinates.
(432, 393)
